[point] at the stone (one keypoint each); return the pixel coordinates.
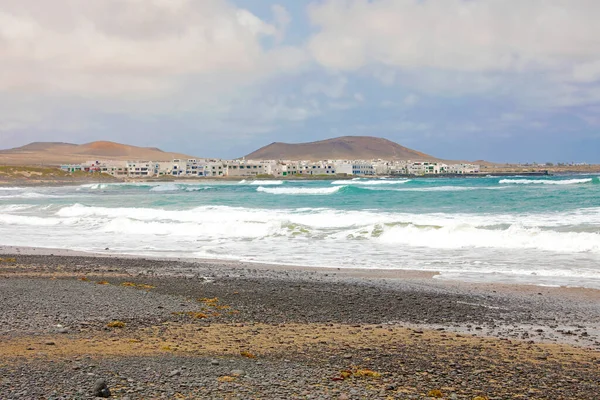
(101, 389)
(238, 372)
(63, 330)
(174, 373)
(214, 362)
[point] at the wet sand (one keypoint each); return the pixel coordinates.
(213, 329)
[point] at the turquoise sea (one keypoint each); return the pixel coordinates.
(535, 230)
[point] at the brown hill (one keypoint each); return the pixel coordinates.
(54, 153)
(342, 148)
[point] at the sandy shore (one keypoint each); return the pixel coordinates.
(213, 329)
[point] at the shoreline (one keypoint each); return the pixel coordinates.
(191, 268)
(91, 179)
(209, 329)
(368, 273)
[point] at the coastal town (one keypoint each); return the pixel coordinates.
(268, 168)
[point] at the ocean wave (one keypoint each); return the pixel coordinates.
(266, 183)
(545, 181)
(300, 190)
(513, 237)
(331, 218)
(440, 189)
(27, 220)
(445, 231)
(372, 182)
(170, 187)
(198, 189)
(260, 182)
(94, 186)
(15, 207)
(30, 195)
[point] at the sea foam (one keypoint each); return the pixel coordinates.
(300, 190)
(266, 183)
(372, 182)
(545, 181)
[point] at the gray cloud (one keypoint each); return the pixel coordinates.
(133, 47)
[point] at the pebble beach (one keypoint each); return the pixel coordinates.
(76, 326)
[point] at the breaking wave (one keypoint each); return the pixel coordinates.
(300, 191)
(545, 181)
(442, 231)
(443, 189)
(372, 182)
(29, 195)
(261, 182)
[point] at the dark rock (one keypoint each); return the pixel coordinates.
(101, 389)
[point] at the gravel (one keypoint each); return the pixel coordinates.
(45, 296)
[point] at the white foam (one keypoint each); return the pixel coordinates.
(373, 182)
(443, 189)
(94, 186)
(300, 191)
(442, 231)
(556, 245)
(266, 183)
(169, 187)
(515, 237)
(15, 207)
(29, 195)
(545, 181)
(24, 220)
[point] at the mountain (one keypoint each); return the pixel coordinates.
(56, 153)
(341, 148)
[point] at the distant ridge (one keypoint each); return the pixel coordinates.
(341, 148)
(56, 153)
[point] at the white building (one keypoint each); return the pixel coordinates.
(343, 167)
(463, 169)
(249, 167)
(363, 168)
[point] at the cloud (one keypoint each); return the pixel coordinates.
(459, 35)
(135, 47)
(333, 87)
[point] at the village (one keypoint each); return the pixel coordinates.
(268, 168)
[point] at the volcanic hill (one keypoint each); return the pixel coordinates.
(341, 148)
(56, 153)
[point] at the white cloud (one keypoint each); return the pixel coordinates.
(587, 72)
(134, 47)
(458, 35)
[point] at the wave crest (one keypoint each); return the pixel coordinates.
(372, 182)
(300, 191)
(544, 182)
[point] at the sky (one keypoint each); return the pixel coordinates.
(500, 80)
